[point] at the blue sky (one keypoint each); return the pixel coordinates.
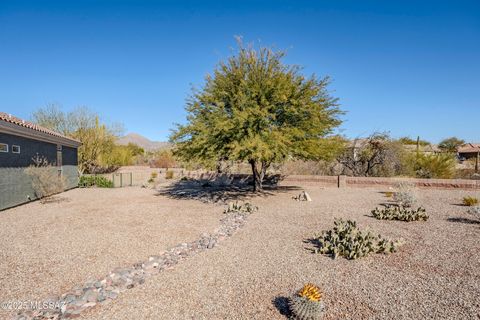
(408, 67)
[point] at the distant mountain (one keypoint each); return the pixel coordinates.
(145, 143)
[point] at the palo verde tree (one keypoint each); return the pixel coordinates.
(256, 109)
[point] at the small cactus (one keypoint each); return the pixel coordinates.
(474, 211)
(306, 304)
(400, 213)
(240, 207)
(405, 194)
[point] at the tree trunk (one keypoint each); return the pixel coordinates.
(258, 175)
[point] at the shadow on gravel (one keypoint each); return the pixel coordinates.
(211, 192)
(54, 199)
(463, 220)
(281, 303)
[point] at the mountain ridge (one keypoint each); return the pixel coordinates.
(144, 142)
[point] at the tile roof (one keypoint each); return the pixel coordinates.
(30, 125)
(469, 148)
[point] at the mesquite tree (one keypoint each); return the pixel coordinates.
(258, 110)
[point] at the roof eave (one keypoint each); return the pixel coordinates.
(11, 128)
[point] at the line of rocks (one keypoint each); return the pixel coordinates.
(103, 291)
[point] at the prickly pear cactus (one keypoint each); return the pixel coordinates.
(474, 211)
(306, 304)
(240, 207)
(346, 240)
(400, 213)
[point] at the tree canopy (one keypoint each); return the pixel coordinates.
(255, 108)
(98, 152)
(450, 144)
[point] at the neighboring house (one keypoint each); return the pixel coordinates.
(22, 141)
(425, 149)
(469, 151)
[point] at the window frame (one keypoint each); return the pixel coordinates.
(19, 149)
(5, 144)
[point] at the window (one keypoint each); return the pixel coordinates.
(15, 149)
(3, 147)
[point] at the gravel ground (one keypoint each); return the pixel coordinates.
(436, 274)
(84, 233)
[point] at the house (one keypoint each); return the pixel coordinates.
(20, 143)
(469, 151)
(423, 149)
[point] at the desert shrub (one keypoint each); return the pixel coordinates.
(375, 156)
(240, 207)
(152, 178)
(95, 181)
(86, 181)
(400, 213)
(389, 194)
(103, 182)
(169, 175)
(440, 166)
(164, 159)
(46, 180)
(307, 304)
(405, 194)
(470, 201)
(346, 240)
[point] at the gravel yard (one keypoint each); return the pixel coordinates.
(49, 248)
(435, 275)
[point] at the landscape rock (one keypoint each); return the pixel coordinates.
(303, 196)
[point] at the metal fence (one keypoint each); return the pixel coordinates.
(124, 179)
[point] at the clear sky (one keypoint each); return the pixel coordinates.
(408, 67)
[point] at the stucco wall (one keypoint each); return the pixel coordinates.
(16, 186)
(70, 173)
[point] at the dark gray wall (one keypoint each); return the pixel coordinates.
(15, 184)
(69, 156)
(28, 149)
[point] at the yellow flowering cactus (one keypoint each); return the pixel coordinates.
(311, 292)
(307, 304)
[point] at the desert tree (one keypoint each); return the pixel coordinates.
(98, 152)
(450, 144)
(373, 156)
(256, 109)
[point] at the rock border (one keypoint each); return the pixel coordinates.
(102, 291)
